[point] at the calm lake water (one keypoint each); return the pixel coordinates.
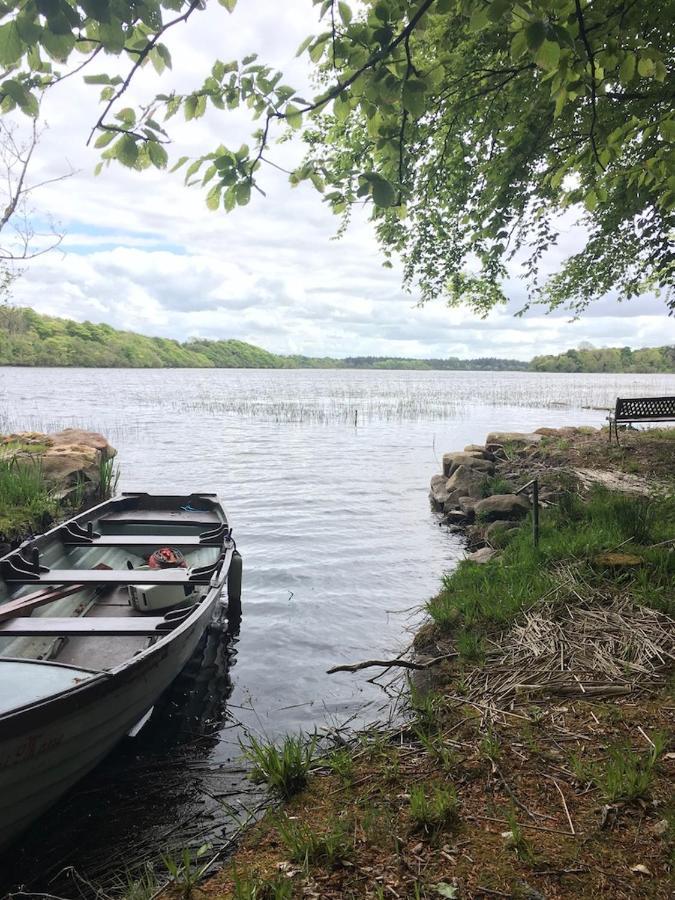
(325, 476)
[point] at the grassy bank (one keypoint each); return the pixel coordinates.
(27, 500)
(536, 758)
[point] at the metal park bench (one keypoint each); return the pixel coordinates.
(640, 409)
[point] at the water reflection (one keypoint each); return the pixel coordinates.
(161, 789)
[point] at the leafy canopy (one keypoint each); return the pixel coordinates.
(469, 126)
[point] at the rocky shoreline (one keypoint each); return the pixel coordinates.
(478, 490)
(73, 468)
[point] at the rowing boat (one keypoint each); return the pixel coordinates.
(91, 635)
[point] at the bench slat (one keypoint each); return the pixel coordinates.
(94, 625)
(110, 576)
(141, 540)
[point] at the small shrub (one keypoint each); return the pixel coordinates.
(434, 812)
(307, 846)
(284, 769)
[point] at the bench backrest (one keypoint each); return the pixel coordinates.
(632, 409)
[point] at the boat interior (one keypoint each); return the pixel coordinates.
(72, 600)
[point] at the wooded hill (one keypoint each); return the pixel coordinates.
(30, 339)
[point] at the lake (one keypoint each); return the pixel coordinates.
(325, 476)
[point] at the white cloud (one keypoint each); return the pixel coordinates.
(143, 253)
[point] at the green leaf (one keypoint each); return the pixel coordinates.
(228, 4)
(316, 50)
(383, 192)
(518, 45)
(293, 116)
(591, 201)
(535, 33)
(11, 45)
(548, 55)
(479, 19)
(97, 79)
(498, 8)
(26, 102)
(181, 162)
(112, 36)
(213, 197)
(627, 70)
(104, 139)
(304, 45)
(126, 150)
(243, 193)
(646, 67)
(345, 12)
(158, 155)
(412, 96)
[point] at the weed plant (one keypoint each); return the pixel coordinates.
(25, 496)
(284, 769)
(518, 841)
(308, 847)
(340, 763)
(432, 812)
(626, 775)
(108, 477)
(251, 887)
(187, 869)
(494, 484)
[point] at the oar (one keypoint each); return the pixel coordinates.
(40, 598)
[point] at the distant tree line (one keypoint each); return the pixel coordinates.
(608, 359)
(30, 339)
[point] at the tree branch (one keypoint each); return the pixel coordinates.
(591, 59)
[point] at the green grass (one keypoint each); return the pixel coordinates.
(494, 484)
(187, 869)
(341, 763)
(477, 597)
(284, 769)
(25, 496)
(108, 476)
(251, 887)
(433, 811)
(308, 847)
(626, 775)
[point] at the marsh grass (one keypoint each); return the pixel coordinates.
(187, 869)
(25, 496)
(284, 769)
(435, 809)
(493, 594)
(108, 476)
(341, 763)
(307, 846)
(517, 840)
(252, 887)
(495, 484)
(625, 775)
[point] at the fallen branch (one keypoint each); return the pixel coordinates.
(390, 663)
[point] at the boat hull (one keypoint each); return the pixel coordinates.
(45, 755)
(47, 745)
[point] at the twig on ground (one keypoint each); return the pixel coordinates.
(390, 663)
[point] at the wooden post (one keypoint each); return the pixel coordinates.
(535, 512)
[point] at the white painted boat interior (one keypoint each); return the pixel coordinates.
(25, 681)
(163, 527)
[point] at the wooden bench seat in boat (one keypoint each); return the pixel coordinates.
(13, 571)
(141, 540)
(29, 626)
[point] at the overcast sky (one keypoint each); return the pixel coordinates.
(143, 253)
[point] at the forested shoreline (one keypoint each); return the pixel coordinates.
(30, 339)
